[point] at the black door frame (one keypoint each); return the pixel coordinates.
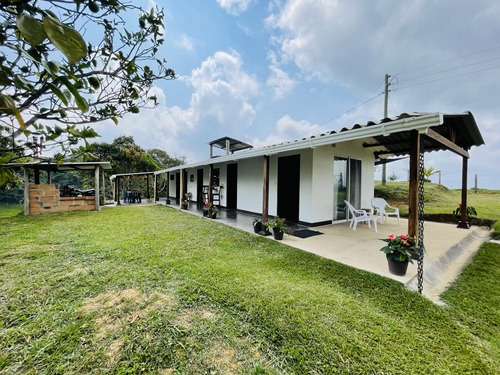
(289, 187)
(232, 186)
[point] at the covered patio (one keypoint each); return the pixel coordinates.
(449, 249)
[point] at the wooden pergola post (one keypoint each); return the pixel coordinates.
(464, 223)
(26, 178)
(148, 195)
(413, 184)
(118, 191)
(265, 190)
(155, 189)
(96, 188)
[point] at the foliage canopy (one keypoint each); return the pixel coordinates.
(67, 64)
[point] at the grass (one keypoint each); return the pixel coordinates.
(438, 199)
(155, 290)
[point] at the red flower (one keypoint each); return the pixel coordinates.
(403, 237)
(460, 204)
(206, 202)
(391, 236)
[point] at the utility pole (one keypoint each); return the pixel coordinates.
(386, 96)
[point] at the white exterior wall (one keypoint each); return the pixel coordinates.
(250, 184)
(316, 180)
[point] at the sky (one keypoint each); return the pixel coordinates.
(264, 72)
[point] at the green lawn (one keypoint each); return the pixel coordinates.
(155, 290)
(438, 199)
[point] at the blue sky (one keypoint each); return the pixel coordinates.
(271, 71)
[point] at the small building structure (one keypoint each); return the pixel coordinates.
(307, 180)
(45, 198)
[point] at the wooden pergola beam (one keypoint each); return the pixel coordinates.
(447, 143)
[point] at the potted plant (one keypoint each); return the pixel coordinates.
(213, 210)
(278, 226)
(257, 225)
(184, 205)
(398, 252)
(205, 209)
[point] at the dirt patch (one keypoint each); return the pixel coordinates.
(115, 348)
(188, 317)
(115, 310)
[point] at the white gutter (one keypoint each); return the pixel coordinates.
(420, 123)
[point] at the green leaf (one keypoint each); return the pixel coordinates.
(94, 82)
(115, 120)
(58, 93)
(5, 175)
(31, 29)
(79, 100)
(66, 39)
(52, 67)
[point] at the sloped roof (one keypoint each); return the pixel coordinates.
(386, 137)
(54, 167)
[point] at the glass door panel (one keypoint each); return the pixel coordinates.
(339, 188)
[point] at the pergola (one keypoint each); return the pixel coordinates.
(52, 166)
(116, 178)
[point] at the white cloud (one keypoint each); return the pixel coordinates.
(219, 106)
(279, 80)
(234, 7)
(185, 42)
(288, 129)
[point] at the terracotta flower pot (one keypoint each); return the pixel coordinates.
(396, 267)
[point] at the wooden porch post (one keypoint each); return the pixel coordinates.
(210, 174)
(265, 190)
(96, 188)
(181, 198)
(414, 179)
(168, 187)
(463, 223)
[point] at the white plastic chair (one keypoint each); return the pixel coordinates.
(358, 216)
(380, 205)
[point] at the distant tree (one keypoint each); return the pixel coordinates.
(164, 160)
(55, 82)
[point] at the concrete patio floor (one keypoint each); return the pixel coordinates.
(449, 249)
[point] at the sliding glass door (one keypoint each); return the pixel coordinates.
(346, 186)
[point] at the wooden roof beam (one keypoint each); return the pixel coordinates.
(447, 143)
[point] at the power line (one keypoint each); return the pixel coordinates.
(450, 60)
(349, 110)
(450, 69)
(444, 78)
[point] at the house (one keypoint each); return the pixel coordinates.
(307, 180)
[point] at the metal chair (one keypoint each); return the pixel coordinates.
(380, 205)
(359, 216)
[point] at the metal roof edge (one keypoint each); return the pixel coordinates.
(417, 122)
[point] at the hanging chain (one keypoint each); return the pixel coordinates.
(420, 235)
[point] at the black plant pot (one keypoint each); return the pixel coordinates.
(213, 215)
(205, 212)
(257, 227)
(396, 267)
(278, 235)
